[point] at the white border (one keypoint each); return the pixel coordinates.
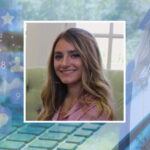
(124, 88)
(24, 75)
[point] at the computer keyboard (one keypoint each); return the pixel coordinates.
(47, 136)
(17, 135)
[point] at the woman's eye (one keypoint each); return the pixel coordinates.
(58, 57)
(75, 55)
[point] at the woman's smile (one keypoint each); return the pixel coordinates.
(67, 72)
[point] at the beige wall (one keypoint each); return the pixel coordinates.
(39, 40)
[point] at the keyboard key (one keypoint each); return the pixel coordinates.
(53, 136)
(92, 127)
(21, 137)
(67, 146)
(11, 145)
(33, 148)
(43, 144)
(70, 124)
(101, 124)
(63, 129)
(76, 139)
(31, 130)
(44, 125)
(9, 130)
(83, 133)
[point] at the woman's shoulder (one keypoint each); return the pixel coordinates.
(90, 109)
(91, 113)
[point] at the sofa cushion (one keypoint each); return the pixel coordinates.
(116, 79)
(35, 78)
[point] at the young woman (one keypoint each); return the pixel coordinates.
(76, 88)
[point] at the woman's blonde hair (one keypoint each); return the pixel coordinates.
(93, 79)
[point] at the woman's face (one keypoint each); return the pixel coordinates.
(67, 63)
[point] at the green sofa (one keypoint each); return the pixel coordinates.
(35, 78)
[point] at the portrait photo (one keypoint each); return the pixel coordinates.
(74, 71)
